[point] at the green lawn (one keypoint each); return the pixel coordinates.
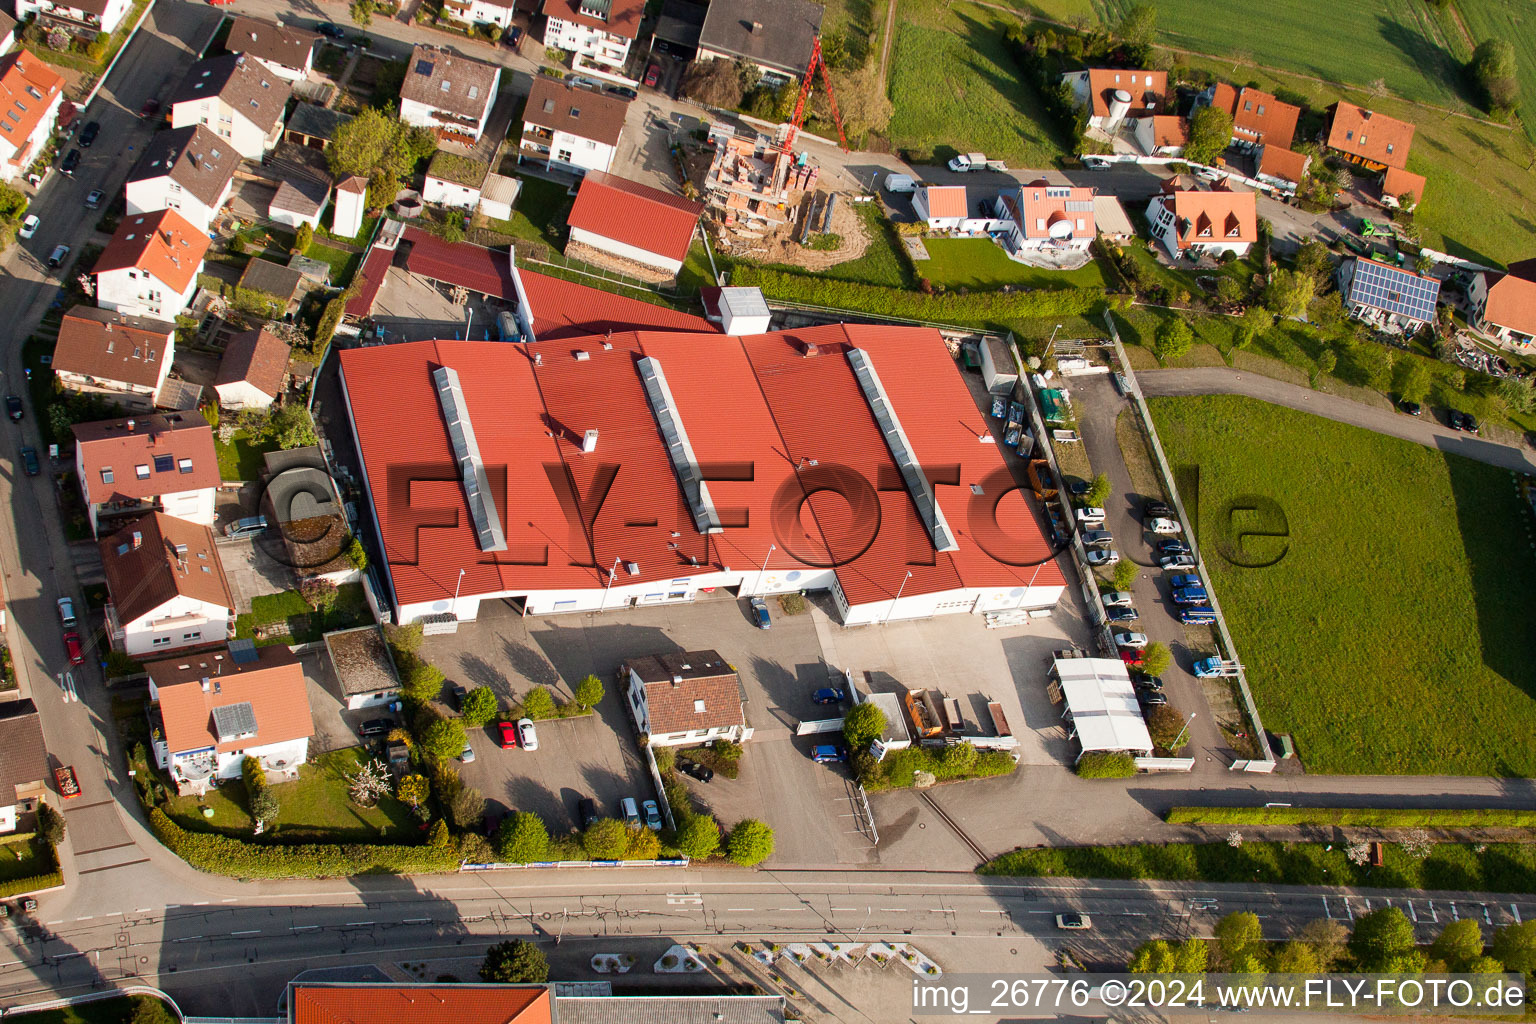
(304, 626)
(317, 807)
(980, 263)
(955, 87)
(20, 858)
(1507, 19)
(343, 264)
(241, 457)
(1398, 42)
(1393, 633)
(115, 1010)
(540, 212)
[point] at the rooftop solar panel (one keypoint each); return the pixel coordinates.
(1394, 290)
(234, 721)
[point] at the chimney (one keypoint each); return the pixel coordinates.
(131, 425)
(218, 687)
(809, 349)
(589, 442)
(757, 26)
(677, 680)
(206, 686)
(138, 540)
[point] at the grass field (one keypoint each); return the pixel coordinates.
(1507, 19)
(955, 88)
(1393, 633)
(980, 263)
(116, 1010)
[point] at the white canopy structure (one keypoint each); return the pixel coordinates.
(1102, 711)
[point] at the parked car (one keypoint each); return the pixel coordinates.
(586, 812)
(506, 733)
(828, 695)
(250, 526)
(58, 256)
(29, 460)
(73, 649)
(376, 727)
(1197, 616)
(150, 108)
(1072, 921)
(1164, 526)
(1132, 656)
(334, 31)
(1152, 507)
(458, 693)
(1097, 538)
(623, 92)
(67, 612)
(1462, 421)
(963, 162)
(70, 162)
(526, 736)
(703, 773)
(94, 198)
(1123, 615)
(760, 614)
(1177, 562)
(29, 226)
(824, 753)
(88, 134)
(1123, 598)
(1103, 556)
(581, 82)
(1172, 547)
(652, 76)
(900, 184)
(1191, 596)
(13, 408)
(1185, 579)
(1122, 386)
(1207, 667)
(652, 812)
(468, 756)
(1411, 408)
(1152, 698)
(1091, 515)
(1148, 683)
(1078, 488)
(1094, 163)
(629, 812)
(1131, 639)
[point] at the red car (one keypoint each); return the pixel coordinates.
(508, 733)
(72, 645)
(1132, 656)
(150, 108)
(652, 75)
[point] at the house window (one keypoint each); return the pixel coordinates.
(142, 472)
(698, 707)
(160, 641)
(106, 476)
(189, 637)
(1349, 135)
(1389, 147)
(564, 156)
(163, 463)
(1248, 104)
(1362, 140)
(185, 465)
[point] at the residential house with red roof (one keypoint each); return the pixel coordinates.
(217, 707)
(601, 30)
(151, 265)
(570, 129)
(237, 99)
(686, 699)
(346, 1002)
(1285, 169)
(163, 462)
(1504, 305)
(167, 587)
(1368, 137)
(1161, 134)
(1203, 222)
(1113, 95)
(1401, 188)
(620, 223)
(943, 207)
(1043, 215)
(1258, 119)
(121, 357)
(449, 94)
(252, 371)
(189, 170)
(30, 94)
(697, 442)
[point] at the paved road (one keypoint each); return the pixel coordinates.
(1219, 380)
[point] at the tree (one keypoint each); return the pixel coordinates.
(404, 640)
(1518, 395)
(319, 594)
(1458, 944)
(263, 805)
(698, 837)
(862, 100)
(1139, 26)
(480, 706)
(50, 824)
(149, 1010)
(442, 741)
(1288, 293)
(1228, 290)
(539, 703)
(1124, 574)
(522, 838)
(862, 725)
(303, 238)
(1327, 359)
(750, 842)
(1412, 381)
(1296, 957)
(1424, 263)
(362, 12)
(1155, 658)
(589, 692)
(1210, 132)
(1380, 939)
(1495, 73)
(1174, 338)
(1162, 957)
(290, 427)
(1098, 491)
(466, 808)
(1239, 936)
(1514, 945)
(356, 554)
(1328, 939)
(422, 682)
(515, 963)
(606, 839)
(1256, 320)
(714, 83)
(1166, 724)
(643, 843)
(413, 790)
(382, 149)
(370, 783)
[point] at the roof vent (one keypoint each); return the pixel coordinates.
(757, 26)
(677, 680)
(206, 685)
(589, 442)
(138, 540)
(633, 568)
(131, 425)
(582, 355)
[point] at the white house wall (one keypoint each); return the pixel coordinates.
(290, 218)
(222, 119)
(242, 395)
(285, 72)
(169, 626)
(585, 154)
(139, 293)
(295, 752)
(448, 193)
(481, 12)
(34, 143)
(155, 194)
(629, 252)
(601, 46)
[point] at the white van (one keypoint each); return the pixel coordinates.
(900, 183)
(629, 812)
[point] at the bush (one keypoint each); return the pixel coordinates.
(793, 604)
(50, 824)
(589, 692)
(480, 706)
(900, 767)
(750, 842)
(356, 554)
(149, 1010)
(522, 839)
(698, 837)
(515, 963)
(1166, 724)
(319, 594)
(423, 682)
(1106, 765)
(1362, 817)
(642, 844)
(538, 703)
(466, 808)
(862, 725)
(404, 639)
(225, 855)
(442, 741)
(607, 839)
(303, 239)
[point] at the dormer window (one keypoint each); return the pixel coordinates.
(106, 475)
(141, 471)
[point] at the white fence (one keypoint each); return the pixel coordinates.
(1165, 764)
(677, 862)
(94, 997)
(821, 725)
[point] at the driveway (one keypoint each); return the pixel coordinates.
(335, 728)
(252, 569)
(1218, 380)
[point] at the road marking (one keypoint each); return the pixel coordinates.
(1004, 911)
(1326, 912)
(845, 910)
(894, 910)
(60, 921)
(357, 924)
(304, 928)
(1455, 912)
(227, 899)
(737, 910)
(1413, 913)
(172, 906)
(253, 931)
(142, 910)
(1515, 911)
(202, 903)
(688, 898)
(188, 938)
(417, 920)
(1131, 913)
(88, 917)
(1487, 917)
(1350, 910)
(1434, 915)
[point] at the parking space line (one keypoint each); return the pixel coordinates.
(1516, 912)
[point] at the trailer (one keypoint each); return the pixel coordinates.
(64, 779)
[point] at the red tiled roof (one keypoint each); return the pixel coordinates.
(375, 267)
(1044, 204)
(635, 214)
(675, 682)
(1220, 215)
(623, 15)
(420, 1004)
(28, 88)
(1168, 130)
(946, 201)
(1286, 164)
(273, 686)
(1397, 182)
(145, 576)
(1512, 304)
(112, 346)
(112, 446)
(1257, 116)
(162, 244)
(1370, 135)
(754, 401)
(1147, 89)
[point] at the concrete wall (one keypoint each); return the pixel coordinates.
(138, 293)
(628, 252)
(167, 627)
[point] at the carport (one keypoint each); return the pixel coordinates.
(1102, 711)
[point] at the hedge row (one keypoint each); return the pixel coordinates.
(18, 886)
(977, 308)
(225, 855)
(1384, 817)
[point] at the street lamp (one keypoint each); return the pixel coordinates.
(1048, 344)
(611, 573)
(899, 589)
(456, 587)
(1182, 731)
(764, 569)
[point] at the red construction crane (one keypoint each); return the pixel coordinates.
(805, 92)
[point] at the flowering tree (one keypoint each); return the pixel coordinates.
(370, 783)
